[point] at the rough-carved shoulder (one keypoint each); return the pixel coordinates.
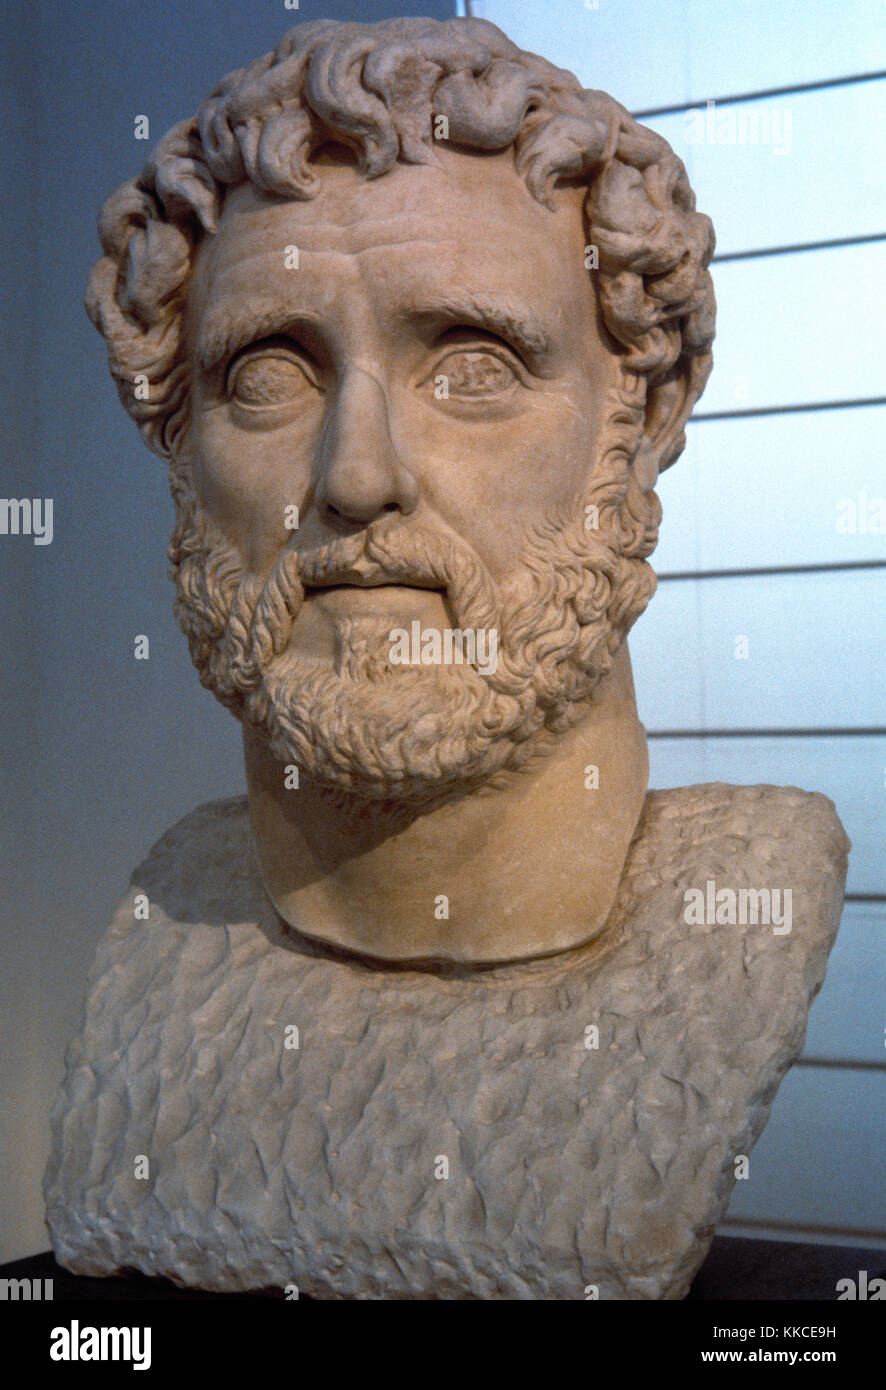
(714, 825)
(569, 1165)
(203, 868)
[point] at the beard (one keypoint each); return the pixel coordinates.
(412, 735)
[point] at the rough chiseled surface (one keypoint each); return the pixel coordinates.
(568, 1166)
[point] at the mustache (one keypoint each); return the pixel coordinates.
(392, 553)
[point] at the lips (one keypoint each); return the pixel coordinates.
(394, 603)
(339, 584)
(322, 578)
(382, 572)
(316, 573)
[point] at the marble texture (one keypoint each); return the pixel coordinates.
(383, 425)
(568, 1166)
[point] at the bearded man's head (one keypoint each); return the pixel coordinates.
(417, 321)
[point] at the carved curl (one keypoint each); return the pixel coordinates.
(378, 89)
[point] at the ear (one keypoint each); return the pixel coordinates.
(669, 404)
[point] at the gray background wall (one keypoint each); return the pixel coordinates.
(100, 752)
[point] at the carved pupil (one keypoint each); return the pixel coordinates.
(477, 374)
(266, 380)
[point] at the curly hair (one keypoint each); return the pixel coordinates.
(378, 89)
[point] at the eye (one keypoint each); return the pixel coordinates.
(473, 374)
(265, 376)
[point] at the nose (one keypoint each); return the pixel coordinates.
(361, 473)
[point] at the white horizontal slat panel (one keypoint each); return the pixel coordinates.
(656, 52)
(756, 45)
(763, 186)
(851, 771)
(797, 329)
(776, 490)
(815, 653)
(849, 1015)
(820, 1161)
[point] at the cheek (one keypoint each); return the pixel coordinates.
(490, 482)
(251, 483)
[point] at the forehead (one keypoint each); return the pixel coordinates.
(467, 222)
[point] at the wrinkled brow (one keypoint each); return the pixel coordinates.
(227, 332)
(516, 323)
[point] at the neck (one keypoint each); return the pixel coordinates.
(523, 870)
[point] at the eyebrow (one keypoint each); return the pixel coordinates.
(516, 323)
(231, 331)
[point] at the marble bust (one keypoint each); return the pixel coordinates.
(417, 322)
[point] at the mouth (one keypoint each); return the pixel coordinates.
(367, 584)
(386, 590)
(377, 596)
(352, 580)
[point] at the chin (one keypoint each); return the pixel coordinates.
(407, 734)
